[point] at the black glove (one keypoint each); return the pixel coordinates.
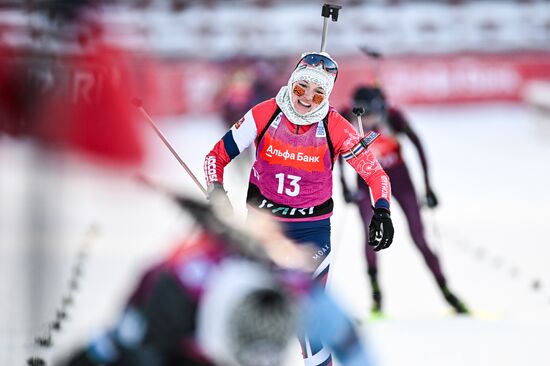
(431, 199)
(380, 229)
(217, 196)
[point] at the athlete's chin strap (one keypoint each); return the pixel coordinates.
(361, 146)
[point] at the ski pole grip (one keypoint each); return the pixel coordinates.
(329, 10)
(358, 111)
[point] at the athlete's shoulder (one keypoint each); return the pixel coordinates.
(264, 109)
(335, 119)
(397, 119)
(341, 131)
(395, 112)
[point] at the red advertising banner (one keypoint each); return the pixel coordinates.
(195, 86)
(447, 79)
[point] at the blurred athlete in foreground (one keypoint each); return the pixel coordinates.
(225, 297)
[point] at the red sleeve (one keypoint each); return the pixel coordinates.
(221, 154)
(215, 162)
(344, 137)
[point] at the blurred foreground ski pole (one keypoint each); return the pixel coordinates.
(139, 104)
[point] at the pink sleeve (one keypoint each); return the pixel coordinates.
(344, 137)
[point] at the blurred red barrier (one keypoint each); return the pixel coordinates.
(191, 86)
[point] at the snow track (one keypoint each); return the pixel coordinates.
(489, 167)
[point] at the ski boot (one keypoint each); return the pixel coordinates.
(376, 308)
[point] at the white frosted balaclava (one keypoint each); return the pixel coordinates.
(315, 74)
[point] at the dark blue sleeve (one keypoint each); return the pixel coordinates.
(230, 145)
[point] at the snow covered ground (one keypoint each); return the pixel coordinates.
(489, 167)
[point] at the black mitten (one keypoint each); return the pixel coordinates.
(380, 229)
